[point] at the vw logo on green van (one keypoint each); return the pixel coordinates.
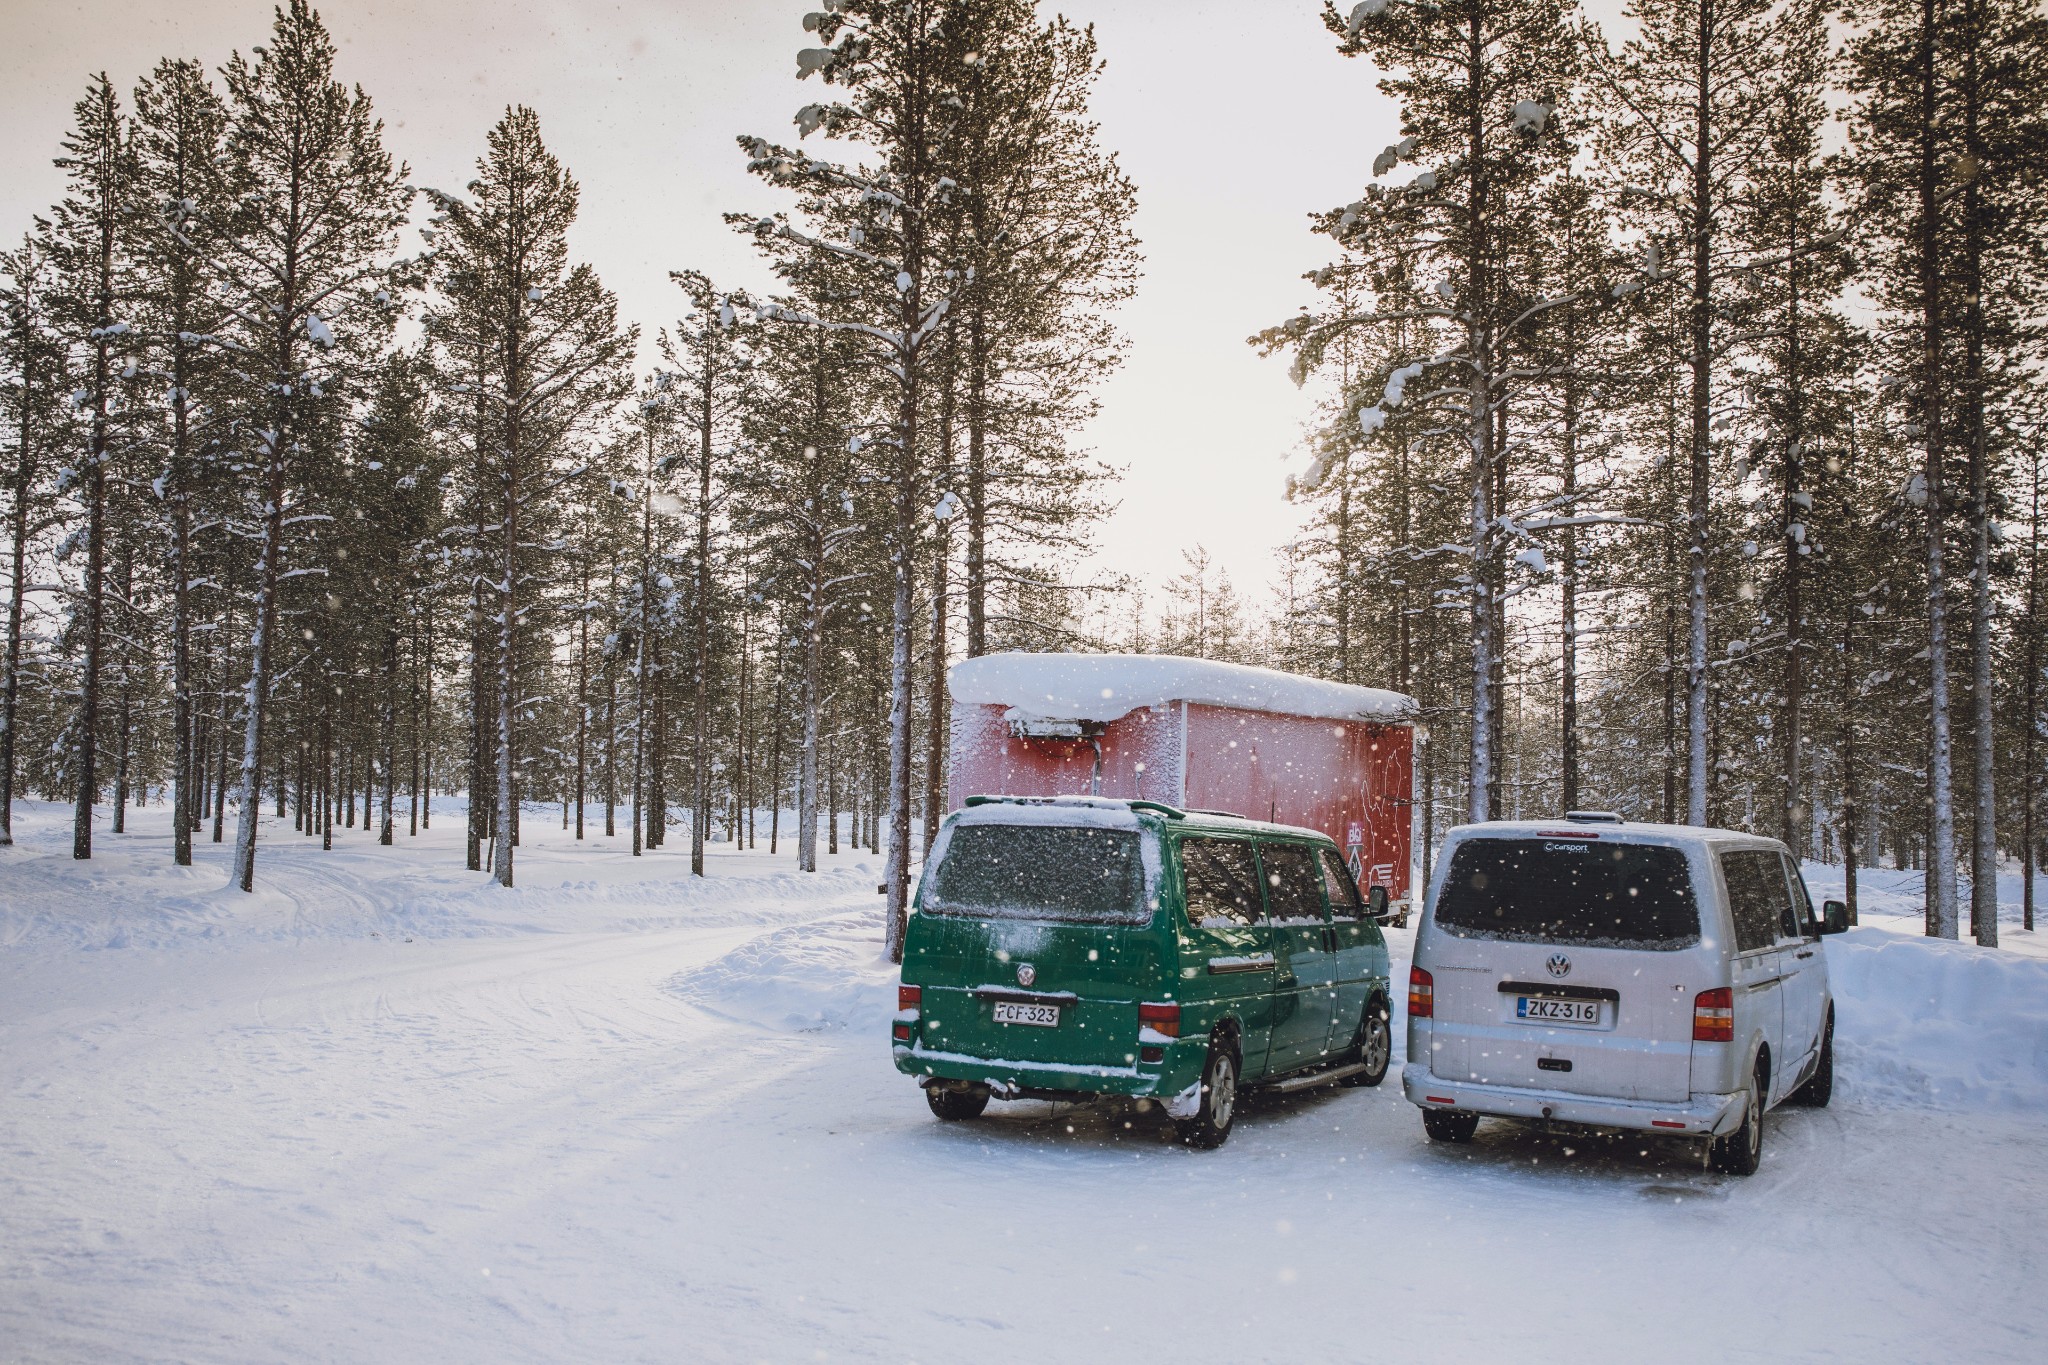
(1026, 973)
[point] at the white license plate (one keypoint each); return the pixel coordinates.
(1042, 1016)
(1546, 1010)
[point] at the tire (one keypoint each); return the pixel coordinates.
(1742, 1151)
(1448, 1125)
(1820, 1086)
(1375, 1045)
(1217, 1107)
(953, 1105)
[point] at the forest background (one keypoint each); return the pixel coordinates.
(1676, 440)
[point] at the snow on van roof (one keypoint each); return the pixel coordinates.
(1106, 687)
(1626, 829)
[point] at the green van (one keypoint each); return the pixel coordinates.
(1072, 946)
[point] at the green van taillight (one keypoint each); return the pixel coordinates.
(1161, 1018)
(909, 997)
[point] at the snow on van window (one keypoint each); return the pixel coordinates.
(1066, 873)
(1592, 893)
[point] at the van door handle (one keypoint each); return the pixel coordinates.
(1807, 953)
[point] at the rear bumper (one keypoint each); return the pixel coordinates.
(1008, 1077)
(1699, 1116)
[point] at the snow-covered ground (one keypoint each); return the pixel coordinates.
(385, 1111)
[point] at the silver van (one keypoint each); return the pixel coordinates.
(1600, 972)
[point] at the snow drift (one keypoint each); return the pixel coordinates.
(805, 978)
(1943, 1025)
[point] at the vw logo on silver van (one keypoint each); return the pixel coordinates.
(1026, 973)
(1559, 965)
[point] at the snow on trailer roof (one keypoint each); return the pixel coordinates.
(1107, 687)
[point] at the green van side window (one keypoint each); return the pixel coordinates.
(1344, 899)
(1293, 890)
(1222, 882)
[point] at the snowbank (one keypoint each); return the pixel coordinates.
(1106, 687)
(805, 978)
(1944, 1025)
(131, 896)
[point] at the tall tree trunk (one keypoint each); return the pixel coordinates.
(582, 690)
(88, 722)
(2030, 767)
(1700, 339)
(124, 697)
(1848, 747)
(1793, 814)
(17, 581)
(700, 669)
(508, 645)
(1941, 854)
(269, 551)
(977, 480)
(1568, 610)
(479, 811)
(427, 715)
(1984, 832)
(813, 702)
(640, 820)
(388, 741)
(412, 739)
(1479, 341)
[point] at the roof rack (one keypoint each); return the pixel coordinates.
(1157, 807)
(1595, 817)
(1226, 814)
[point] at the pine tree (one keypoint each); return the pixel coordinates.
(542, 354)
(318, 203)
(708, 352)
(91, 240)
(32, 360)
(180, 125)
(1478, 82)
(1696, 83)
(900, 69)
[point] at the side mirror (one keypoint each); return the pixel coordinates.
(1376, 905)
(1834, 918)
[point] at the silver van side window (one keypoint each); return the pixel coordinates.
(1757, 896)
(1808, 924)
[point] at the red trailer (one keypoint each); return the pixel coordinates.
(1197, 734)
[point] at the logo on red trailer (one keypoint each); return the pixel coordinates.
(1354, 834)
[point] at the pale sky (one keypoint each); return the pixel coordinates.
(1235, 118)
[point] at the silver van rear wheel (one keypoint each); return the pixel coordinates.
(1742, 1151)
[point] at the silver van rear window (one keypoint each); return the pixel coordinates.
(1593, 893)
(1063, 873)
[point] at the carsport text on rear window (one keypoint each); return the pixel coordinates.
(1594, 893)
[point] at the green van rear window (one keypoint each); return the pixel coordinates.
(1063, 873)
